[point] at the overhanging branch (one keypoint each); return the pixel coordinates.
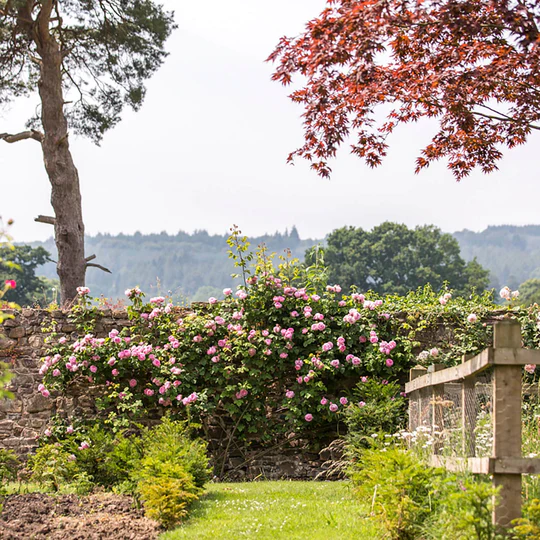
(13, 138)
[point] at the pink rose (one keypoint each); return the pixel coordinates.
(308, 417)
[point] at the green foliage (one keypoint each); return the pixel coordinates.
(528, 527)
(529, 292)
(30, 288)
(378, 408)
(463, 509)
(9, 466)
(276, 359)
(171, 472)
(171, 445)
(392, 258)
(512, 253)
(185, 263)
(109, 49)
(416, 501)
(5, 245)
(5, 377)
(110, 457)
(167, 499)
(399, 487)
(52, 465)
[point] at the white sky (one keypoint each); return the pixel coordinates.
(208, 149)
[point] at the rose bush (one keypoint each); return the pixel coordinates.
(279, 355)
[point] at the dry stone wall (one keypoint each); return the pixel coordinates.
(25, 417)
(22, 344)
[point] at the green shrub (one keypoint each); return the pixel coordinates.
(462, 509)
(377, 408)
(9, 465)
(399, 487)
(528, 527)
(171, 444)
(52, 465)
(109, 458)
(167, 499)
(416, 501)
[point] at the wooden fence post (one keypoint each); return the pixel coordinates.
(437, 414)
(468, 413)
(507, 423)
(415, 416)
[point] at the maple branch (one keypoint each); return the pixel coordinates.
(502, 118)
(93, 265)
(32, 134)
(45, 219)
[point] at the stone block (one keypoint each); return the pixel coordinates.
(38, 403)
(6, 343)
(17, 332)
(36, 341)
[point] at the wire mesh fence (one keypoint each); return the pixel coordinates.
(454, 419)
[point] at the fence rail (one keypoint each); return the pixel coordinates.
(436, 391)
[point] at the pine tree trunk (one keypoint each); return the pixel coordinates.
(63, 175)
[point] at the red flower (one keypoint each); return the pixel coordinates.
(11, 283)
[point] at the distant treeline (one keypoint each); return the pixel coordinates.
(187, 266)
(196, 266)
(511, 253)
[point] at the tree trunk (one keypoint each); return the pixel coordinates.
(63, 175)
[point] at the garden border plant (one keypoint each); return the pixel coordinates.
(279, 358)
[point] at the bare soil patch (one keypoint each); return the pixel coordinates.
(69, 517)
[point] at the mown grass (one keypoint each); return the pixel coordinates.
(288, 510)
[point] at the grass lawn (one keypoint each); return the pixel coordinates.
(288, 510)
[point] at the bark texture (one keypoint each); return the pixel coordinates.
(62, 173)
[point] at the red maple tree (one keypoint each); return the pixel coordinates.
(474, 65)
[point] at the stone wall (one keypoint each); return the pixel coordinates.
(22, 344)
(24, 418)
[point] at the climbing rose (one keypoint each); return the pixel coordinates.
(308, 417)
(82, 291)
(472, 318)
(530, 368)
(11, 283)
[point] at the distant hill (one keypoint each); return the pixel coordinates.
(188, 266)
(511, 253)
(196, 266)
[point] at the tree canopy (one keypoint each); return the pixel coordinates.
(109, 48)
(19, 263)
(391, 258)
(474, 65)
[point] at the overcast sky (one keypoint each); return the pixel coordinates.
(208, 149)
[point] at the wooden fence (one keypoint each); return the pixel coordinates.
(506, 464)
